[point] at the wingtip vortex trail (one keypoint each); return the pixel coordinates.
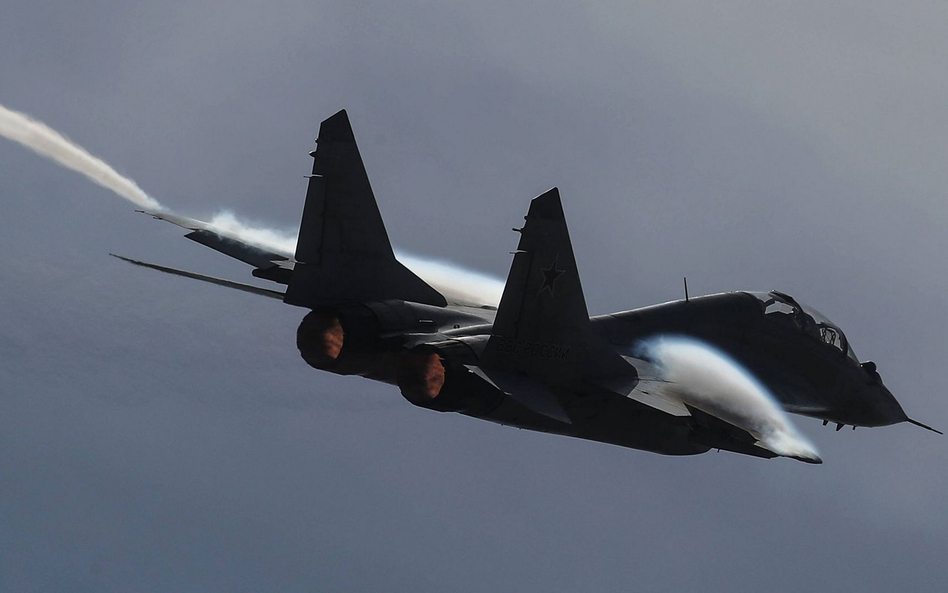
(45, 141)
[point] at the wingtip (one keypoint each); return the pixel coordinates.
(810, 457)
(156, 214)
(126, 259)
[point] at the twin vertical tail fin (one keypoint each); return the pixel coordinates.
(343, 253)
(542, 325)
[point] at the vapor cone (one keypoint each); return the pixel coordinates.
(708, 380)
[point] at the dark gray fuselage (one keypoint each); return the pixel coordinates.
(801, 358)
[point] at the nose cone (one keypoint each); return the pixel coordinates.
(887, 408)
(882, 409)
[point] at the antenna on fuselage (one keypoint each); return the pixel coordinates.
(686, 288)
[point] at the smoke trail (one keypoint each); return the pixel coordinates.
(458, 285)
(707, 379)
(49, 143)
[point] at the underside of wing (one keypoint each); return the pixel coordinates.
(268, 264)
(717, 418)
(274, 294)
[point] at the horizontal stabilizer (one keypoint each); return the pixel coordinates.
(274, 294)
(531, 394)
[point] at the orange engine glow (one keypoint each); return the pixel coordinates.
(422, 376)
(321, 337)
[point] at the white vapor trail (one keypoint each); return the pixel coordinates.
(281, 242)
(707, 379)
(49, 143)
(456, 284)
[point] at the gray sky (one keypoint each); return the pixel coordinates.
(158, 434)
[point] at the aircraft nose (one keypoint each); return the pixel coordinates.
(884, 408)
(889, 409)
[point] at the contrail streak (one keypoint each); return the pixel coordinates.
(457, 284)
(49, 143)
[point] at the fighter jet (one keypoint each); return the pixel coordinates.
(538, 361)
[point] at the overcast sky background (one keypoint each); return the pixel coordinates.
(158, 434)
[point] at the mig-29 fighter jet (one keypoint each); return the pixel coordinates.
(538, 361)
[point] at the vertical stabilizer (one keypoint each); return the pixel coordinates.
(542, 326)
(344, 253)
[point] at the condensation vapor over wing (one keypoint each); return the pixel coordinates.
(457, 284)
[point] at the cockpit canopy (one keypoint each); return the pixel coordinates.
(807, 319)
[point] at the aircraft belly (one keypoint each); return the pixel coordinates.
(618, 422)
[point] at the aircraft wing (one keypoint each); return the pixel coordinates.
(663, 395)
(649, 388)
(269, 264)
(274, 294)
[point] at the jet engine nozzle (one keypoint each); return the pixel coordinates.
(421, 377)
(332, 339)
(434, 376)
(320, 338)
